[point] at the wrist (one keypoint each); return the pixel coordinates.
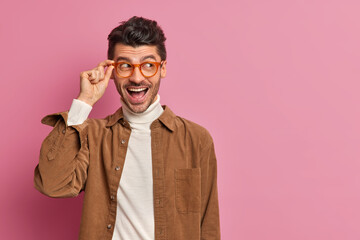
(86, 100)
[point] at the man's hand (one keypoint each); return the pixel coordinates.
(93, 83)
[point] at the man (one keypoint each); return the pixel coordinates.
(146, 173)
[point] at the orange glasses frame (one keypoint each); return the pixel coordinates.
(157, 64)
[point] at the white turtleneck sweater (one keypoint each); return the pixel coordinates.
(135, 210)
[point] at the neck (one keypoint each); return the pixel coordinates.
(148, 116)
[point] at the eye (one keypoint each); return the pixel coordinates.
(125, 65)
(148, 65)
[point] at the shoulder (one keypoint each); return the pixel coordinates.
(187, 128)
(107, 121)
(98, 125)
(191, 126)
(195, 128)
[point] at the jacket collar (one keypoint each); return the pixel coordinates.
(167, 118)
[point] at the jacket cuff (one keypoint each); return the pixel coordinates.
(53, 119)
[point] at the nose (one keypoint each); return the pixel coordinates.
(137, 77)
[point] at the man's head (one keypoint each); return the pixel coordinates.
(135, 32)
(137, 41)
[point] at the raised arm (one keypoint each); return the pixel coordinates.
(64, 154)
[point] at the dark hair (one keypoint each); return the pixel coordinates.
(138, 31)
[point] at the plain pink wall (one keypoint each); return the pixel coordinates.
(275, 82)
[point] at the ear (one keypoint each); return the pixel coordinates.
(163, 69)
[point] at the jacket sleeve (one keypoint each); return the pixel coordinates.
(210, 222)
(64, 158)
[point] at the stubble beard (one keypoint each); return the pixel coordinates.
(140, 108)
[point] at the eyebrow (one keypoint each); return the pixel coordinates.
(148, 56)
(142, 59)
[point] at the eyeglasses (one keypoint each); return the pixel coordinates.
(147, 69)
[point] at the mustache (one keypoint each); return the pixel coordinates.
(142, 84)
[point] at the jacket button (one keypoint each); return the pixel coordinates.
(63, 131)
(122, 141)
(112, 197)
(109, 226)
(117, 168)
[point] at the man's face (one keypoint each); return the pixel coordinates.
(137, 91)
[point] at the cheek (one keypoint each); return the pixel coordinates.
(117, 85)
(155, 81)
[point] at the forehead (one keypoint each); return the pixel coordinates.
(135, 54)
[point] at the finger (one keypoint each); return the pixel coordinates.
(97, 76)
(92, 76)
(108, 74)
(101, 72)
(84, 75)
(106, 63)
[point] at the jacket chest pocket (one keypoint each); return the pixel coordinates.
(188, 190)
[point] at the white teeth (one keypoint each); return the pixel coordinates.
(136, 89)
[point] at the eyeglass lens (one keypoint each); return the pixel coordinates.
(148, 69)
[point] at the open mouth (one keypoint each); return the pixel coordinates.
(137, 94)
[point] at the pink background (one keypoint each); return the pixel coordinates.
(275, 82)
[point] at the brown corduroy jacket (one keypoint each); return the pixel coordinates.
(90, 157)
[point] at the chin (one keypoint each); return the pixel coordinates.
(138, 108)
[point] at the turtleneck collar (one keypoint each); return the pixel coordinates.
(153, 112)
